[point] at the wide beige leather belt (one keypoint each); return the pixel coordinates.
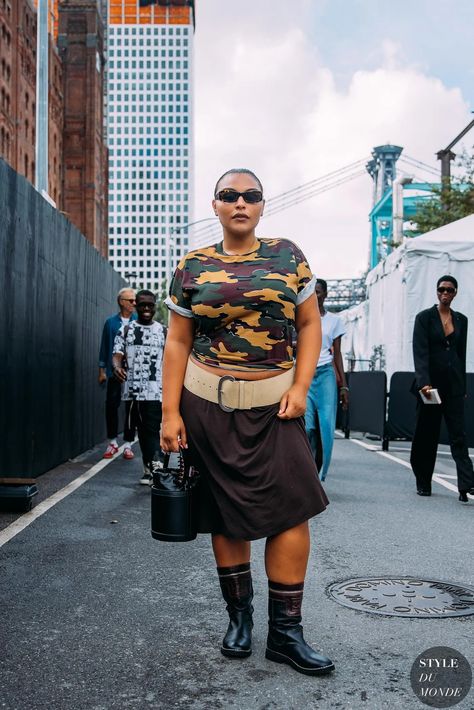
(230, 393)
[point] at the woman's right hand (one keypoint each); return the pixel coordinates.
(173, 434)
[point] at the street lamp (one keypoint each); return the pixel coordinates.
(131, 277)
(170, 245)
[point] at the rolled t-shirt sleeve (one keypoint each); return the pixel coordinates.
(339, 328)
(178, 299)
(119, 342)
(306, 280)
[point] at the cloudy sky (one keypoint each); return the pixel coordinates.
(297, 89)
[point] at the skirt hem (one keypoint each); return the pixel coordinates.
(266, 534)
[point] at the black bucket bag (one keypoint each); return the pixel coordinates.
(174, 500)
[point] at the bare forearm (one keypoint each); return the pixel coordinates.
(117, 360)
(174, 367)
(340, 368)
(309, 348)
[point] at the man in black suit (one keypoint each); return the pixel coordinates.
(439, 352)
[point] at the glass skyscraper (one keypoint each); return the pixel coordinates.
(150, 136)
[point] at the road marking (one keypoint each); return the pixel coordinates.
(18, 525)
(440, 453)
(437, 477)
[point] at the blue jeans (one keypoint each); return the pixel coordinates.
(321, 404)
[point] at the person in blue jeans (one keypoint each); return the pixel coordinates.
(321, 402)
(126, 314)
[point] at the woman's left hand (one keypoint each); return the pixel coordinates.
(293, 403)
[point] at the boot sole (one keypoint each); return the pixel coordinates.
(280, 658)
(230, 653)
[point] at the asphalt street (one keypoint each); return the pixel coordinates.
(96, 615)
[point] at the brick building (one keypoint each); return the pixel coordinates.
(81, 48)
(18, 85)
(76, 141)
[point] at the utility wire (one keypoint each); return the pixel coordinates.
(301, 192)
(419, 164)
(312, 183)
(291, 200)
(305, 191)
(297, 199)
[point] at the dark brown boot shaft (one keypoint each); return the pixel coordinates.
(237, 590)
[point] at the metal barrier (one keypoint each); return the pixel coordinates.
(402, 409)
(369, 412)
(367, 403)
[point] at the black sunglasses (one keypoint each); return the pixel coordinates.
(250, 196)
(446, 289)
(130, 300)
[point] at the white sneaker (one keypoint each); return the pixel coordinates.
(146, 479)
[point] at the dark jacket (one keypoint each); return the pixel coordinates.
(440, 361)
(111, 327)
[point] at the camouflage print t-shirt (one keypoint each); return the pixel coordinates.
(243, 305)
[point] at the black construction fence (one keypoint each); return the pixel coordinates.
(56, 291)
(388, 411)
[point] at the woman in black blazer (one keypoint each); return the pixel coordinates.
(439, 351)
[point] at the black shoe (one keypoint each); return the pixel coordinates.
(285, 642)
(423, 491)
(237, 643)
(237, 590)
(463, 496)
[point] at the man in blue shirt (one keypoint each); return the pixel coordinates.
(126, 302)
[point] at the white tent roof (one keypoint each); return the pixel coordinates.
(455, 239)
(402, 285)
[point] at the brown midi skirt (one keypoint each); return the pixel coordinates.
(258, 475)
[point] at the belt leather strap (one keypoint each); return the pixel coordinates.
(230, 393)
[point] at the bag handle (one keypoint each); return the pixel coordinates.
(167, 456)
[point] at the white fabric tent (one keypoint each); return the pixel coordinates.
(402, 285)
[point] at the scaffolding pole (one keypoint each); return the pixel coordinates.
(41, 147)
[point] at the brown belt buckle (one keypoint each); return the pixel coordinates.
(219, 393)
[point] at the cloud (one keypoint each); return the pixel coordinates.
(265, 100)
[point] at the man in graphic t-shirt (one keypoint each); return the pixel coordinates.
(137, 363)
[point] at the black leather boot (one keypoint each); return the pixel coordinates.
(285, 643)
(237, 590)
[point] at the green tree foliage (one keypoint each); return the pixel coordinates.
(449, 202)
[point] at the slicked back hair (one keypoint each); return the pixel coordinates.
(238, 171)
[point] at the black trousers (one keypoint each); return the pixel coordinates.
(146, 417)
(426, 438)
(113, 399)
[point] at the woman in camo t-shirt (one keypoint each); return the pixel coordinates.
(233, 401)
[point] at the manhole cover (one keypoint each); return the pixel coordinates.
(404, 596)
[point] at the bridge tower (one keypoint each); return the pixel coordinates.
(383, 169)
